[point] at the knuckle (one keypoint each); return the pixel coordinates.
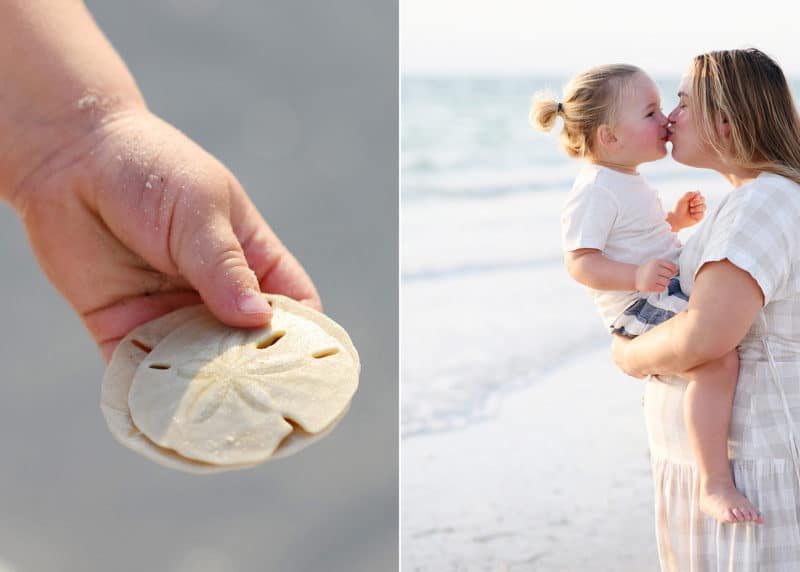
(228, 258)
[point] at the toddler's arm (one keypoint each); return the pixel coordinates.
(591, 268)
(688, 211)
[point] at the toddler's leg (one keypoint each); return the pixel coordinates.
(707, 409)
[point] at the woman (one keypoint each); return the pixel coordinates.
(742, 270)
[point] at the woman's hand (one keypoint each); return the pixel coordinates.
(619, 346)
(135, 220)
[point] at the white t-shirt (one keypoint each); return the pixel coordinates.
(620, 215)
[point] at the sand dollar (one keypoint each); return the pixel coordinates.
(116, 385)
(225, 396)
(131, 351)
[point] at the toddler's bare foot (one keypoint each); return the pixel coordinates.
(725, 503)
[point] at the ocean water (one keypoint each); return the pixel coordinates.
(486, 305)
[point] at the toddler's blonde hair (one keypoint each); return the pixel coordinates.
(590, 100)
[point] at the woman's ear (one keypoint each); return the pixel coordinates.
(724, 127)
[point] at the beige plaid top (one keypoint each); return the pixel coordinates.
(757, 228)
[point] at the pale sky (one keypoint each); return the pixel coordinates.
(563, 37)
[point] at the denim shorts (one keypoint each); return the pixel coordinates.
(650, 310)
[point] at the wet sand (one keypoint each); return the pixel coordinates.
(558, 480)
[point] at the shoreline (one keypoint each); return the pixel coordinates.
(558, 480)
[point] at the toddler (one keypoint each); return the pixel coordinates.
(620, 244)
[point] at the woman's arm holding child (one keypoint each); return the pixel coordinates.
(724, 303)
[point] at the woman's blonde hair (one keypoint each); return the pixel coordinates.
(590, 100)
(747, 89)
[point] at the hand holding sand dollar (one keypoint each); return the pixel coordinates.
(134, 220)
(193, 394)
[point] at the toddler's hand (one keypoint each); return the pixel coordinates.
(137, 220)
(688, 211)
(654, 275)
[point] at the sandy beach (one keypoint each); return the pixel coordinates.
(521, 459)
(558, 480)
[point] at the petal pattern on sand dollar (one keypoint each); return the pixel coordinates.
(254, 393)
(208, 400)
(228, 393)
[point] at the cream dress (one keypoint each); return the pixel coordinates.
(757, 228)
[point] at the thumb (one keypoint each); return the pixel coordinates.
(211, 258)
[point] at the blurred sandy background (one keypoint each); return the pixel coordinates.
(299, 100)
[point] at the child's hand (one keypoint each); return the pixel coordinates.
(654, 275)
(688, 211)
(142, 221)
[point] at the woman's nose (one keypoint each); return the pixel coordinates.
(672, 114)
(661, 118)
